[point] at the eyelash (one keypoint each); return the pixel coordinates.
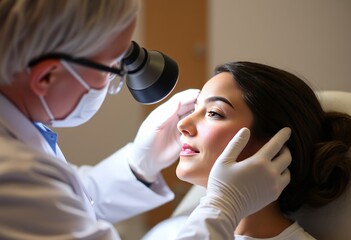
(214, 114)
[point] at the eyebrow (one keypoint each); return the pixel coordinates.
(222, 99)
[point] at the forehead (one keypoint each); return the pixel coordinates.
(222, 84)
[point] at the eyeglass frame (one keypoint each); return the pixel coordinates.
(85, 63)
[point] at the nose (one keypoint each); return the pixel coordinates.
(186, 126)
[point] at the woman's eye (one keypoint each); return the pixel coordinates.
(213, 114)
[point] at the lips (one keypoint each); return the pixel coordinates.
(188, 150)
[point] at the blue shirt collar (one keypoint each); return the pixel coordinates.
(48, 134)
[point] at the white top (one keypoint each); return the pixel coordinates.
(168, 229)
(293, 232)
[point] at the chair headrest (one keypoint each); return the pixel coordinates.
(332, 220)
(335, 101)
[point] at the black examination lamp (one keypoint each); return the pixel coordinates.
(150, 75)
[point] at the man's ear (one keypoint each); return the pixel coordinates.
(42, 76)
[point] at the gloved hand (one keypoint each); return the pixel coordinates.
(242, 188)
(157, 143)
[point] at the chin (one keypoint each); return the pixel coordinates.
(190, 177)
(184, 174)
(181, 174)
(191, 172)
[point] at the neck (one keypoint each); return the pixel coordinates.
(266, 223)
(16, 97)
(18, 92)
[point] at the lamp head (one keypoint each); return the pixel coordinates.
(150, 75)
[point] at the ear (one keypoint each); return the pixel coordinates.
(42, 76)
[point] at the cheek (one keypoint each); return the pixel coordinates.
(62, 106)
(96, 79)
(214, 142)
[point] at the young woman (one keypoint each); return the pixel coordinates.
(265, 99)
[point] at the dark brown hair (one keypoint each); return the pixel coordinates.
(320, 170)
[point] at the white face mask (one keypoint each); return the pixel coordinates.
(88, 105)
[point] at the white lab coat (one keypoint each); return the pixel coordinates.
(44, 197)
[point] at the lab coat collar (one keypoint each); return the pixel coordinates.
(23, 129)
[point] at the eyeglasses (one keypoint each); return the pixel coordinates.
(117, 70)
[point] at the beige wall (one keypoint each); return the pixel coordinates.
(309, 37)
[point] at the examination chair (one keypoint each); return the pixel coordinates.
(331, 222)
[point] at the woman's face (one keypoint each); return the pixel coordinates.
(220, 112)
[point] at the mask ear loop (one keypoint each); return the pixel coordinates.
(46, 107)
(74, 74)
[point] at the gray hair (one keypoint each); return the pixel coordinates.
(32, 28)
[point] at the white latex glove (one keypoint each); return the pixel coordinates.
(157, 144)
(237, 189)
(258, 180)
